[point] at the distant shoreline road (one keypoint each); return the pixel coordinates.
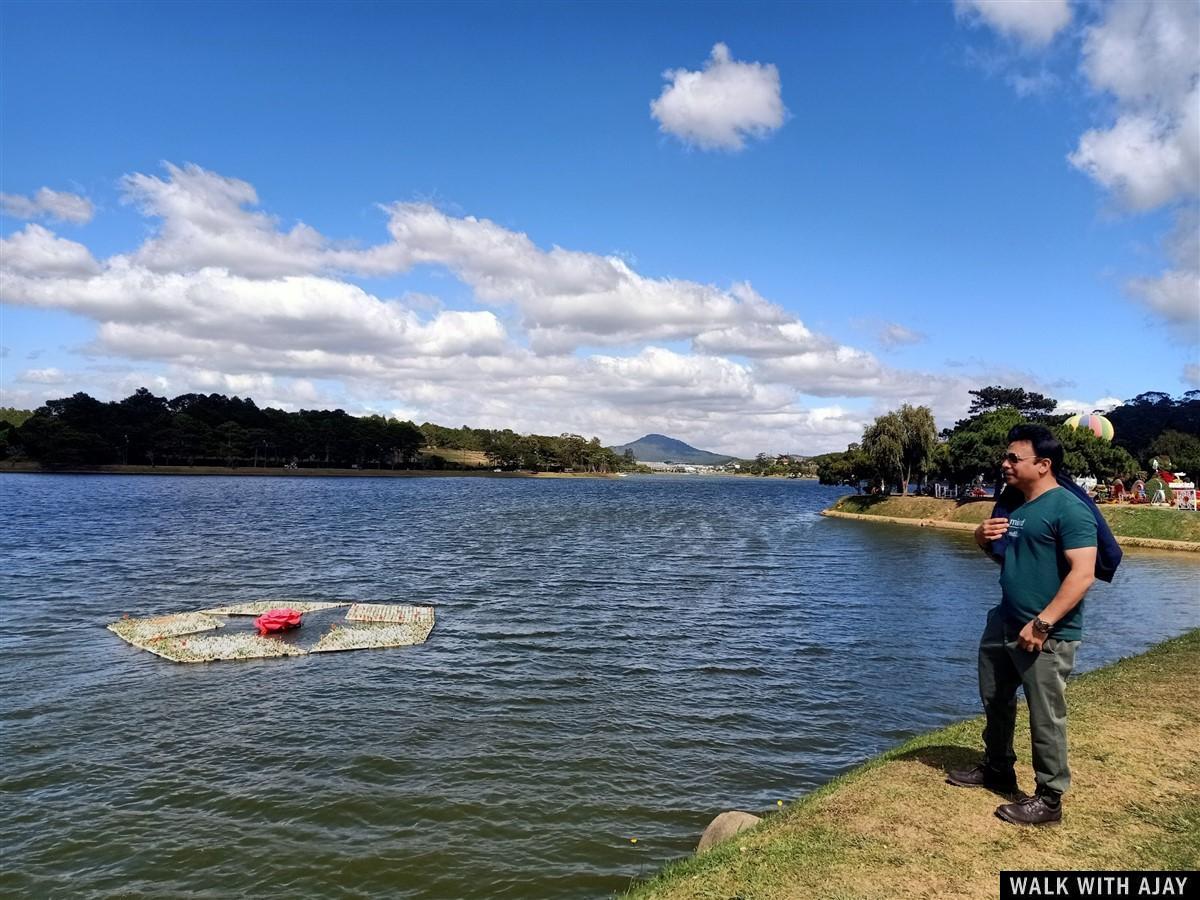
(1133, 526)
(279, 472)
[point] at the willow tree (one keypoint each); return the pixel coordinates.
(900, 443)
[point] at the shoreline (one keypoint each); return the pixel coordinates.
(1135, 805)
(1123, 540)
(1140, 526)
(278, 472)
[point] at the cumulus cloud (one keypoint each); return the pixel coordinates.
(1033, 22)
(567, 298)
(1146, 56)
(43, 376)
(722, 105)
(1104, 404)
(35, 250)
(48, 204)
(229, 299)
(1174, 295)
(1191, 375)
(1147, 159)
(1144, 60)
(301, 312)
(205, 223)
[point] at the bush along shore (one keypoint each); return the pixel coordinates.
(894, 828)
(1161, 528)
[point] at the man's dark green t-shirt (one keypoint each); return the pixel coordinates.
(1035, 564)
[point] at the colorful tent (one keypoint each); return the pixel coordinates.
(1096, 424)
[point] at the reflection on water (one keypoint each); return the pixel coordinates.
(613, 659)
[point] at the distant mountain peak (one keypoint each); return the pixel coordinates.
(661, 448)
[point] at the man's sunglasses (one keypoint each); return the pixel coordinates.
(1012, 459)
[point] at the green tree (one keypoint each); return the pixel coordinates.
(852, 466)
(1086, 454)
(231, 438)
(975, 445)
(1139, 422)
(14, 417)
(1182, 449)
(994, 397)
(900, 443)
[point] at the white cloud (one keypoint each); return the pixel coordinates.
(1033, 85)
(60, 205)
(1146, 159)
(1143, 51)
(1104, 404)
(1033, 22)
(1174, 295)
(226, 299)
(567, 298)
(1146, 55)
(761, 339)
(43, 376)
(35, 250)
(205, 224)
(298, 314)
(1191, 375)
(893, 334)
(722, 105)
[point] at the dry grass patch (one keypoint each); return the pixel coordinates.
(896, 507)
(894, 828)
(458, 457)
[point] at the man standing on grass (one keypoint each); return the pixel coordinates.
(1048, 564)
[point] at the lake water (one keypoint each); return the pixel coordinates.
(613, 659)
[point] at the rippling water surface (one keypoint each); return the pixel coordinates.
(613, 659)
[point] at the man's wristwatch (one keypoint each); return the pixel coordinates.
(1041, 626)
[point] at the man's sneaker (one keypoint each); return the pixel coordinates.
(1031, 811)
(982, 776)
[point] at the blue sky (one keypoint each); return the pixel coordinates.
(832, 209)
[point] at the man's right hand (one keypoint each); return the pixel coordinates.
(990, 530)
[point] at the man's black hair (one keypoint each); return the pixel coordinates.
(1045, 444)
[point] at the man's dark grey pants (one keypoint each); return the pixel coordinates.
(1004, 667)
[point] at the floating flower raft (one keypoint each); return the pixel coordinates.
(213, 647)
(381, 612)
(259, 607)
(138, 631)
(180, 637)
(372, 636)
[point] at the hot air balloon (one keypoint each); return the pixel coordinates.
(1096, 424)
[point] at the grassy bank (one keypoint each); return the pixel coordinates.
(894, 828)
(1136, 522)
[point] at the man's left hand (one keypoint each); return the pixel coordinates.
(1029, 639)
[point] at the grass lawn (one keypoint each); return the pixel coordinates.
(894, 828)
(1153, 522)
